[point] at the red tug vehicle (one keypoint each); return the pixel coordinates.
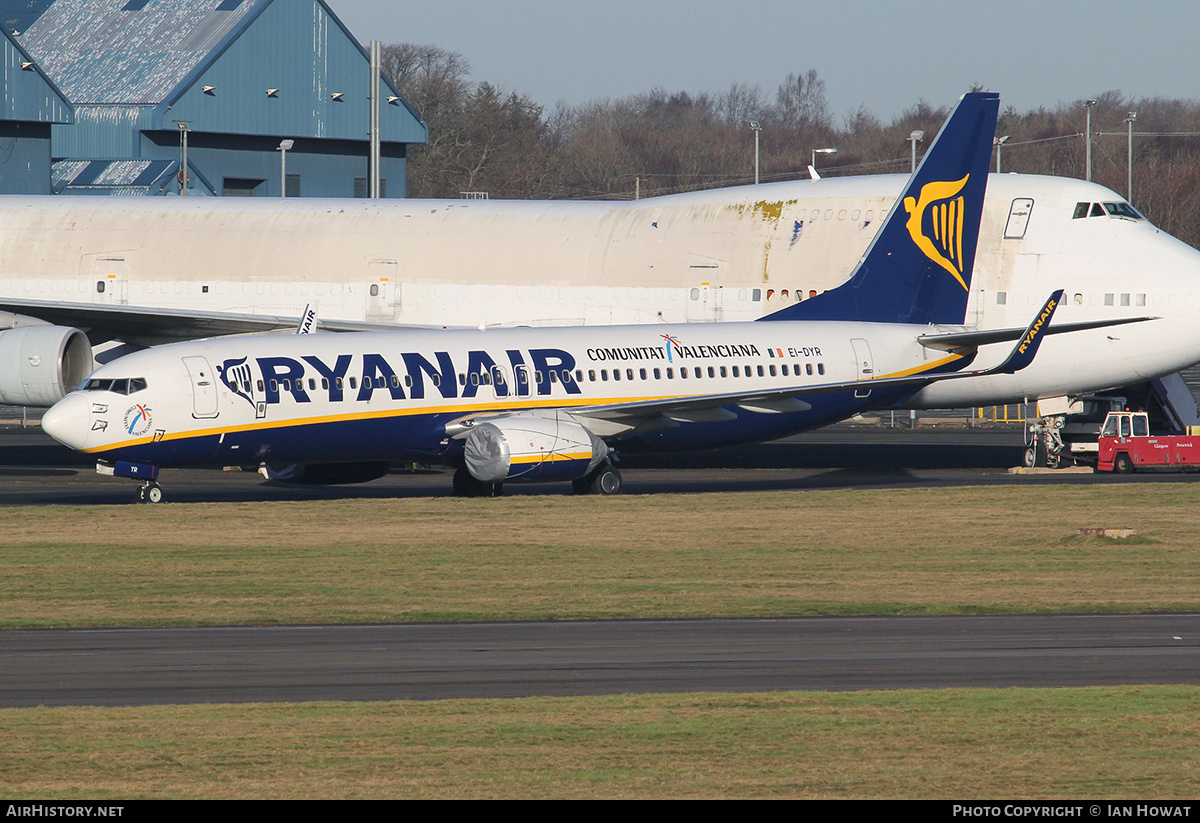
(1126, 445)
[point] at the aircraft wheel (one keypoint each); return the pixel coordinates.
(1034, 454)
(607, 481)
(1122, 464)
(465, 484)
(149, 493)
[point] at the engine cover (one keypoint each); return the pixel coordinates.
(550, 446)
(39, 365)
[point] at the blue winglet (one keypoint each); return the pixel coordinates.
(1022, 355)
(918, 267)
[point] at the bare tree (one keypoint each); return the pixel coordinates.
(740, 104)
(483, 137)
(800, 102)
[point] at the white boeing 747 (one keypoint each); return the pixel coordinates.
(80, 274)
(556, 403)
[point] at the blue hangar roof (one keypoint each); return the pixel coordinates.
(162, 55)
(28, 94)
(123, 51)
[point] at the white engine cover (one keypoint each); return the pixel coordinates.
(550, 446)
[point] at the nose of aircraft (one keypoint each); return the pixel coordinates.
(69, 421)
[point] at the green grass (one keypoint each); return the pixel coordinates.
(930, 551)
(957, 744)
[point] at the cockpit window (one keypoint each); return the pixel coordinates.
(1106, 210)
(121, 385)
(1122, 210)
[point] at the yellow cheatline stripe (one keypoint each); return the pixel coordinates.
(919, 369)
(567, 403)
(550, 458)
(296, 422)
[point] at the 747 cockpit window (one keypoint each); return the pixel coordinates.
(120, 385)
(1122, 210)
(1106, 210)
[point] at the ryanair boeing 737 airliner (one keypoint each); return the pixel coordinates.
(559, 403)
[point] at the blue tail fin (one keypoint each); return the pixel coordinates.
(918, 267)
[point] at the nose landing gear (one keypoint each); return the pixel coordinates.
(149, 492)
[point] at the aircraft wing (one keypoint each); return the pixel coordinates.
(712, 407)
(950, 341)
(615, 418)
(708, 407)
(147, 326)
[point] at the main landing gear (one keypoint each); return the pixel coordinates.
(604, 479)
(465, 485)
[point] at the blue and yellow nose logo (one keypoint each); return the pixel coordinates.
(945, 207)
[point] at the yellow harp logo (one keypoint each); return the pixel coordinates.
(945, 206)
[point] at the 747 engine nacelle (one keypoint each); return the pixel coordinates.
(40, 364)
(536, 447)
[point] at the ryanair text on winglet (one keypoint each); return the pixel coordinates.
(1036, 328)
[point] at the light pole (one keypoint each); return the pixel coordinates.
(1129, 160)
(815, 152)
(756, 127)
(284, 146)
(999, 141)
(916, 137)
(1088, 105)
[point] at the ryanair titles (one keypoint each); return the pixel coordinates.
(411, 375)
(416, 375)
(1036, 328)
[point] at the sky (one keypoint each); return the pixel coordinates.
(884, 55)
